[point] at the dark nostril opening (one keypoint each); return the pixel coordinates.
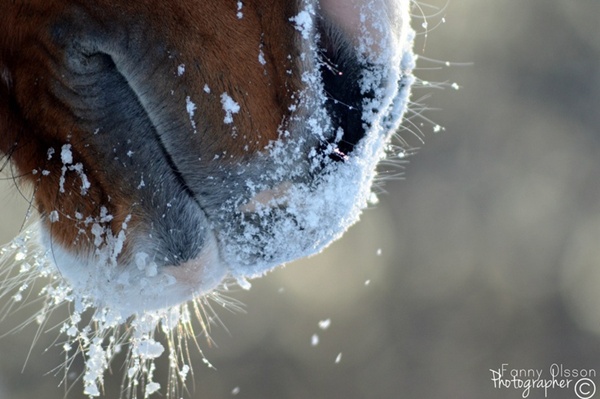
(342, 72)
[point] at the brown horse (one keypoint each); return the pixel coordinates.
(173, 143)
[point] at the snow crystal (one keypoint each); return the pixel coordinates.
(324, 324)
(151, 269)
(181, 70)
(85, 183)
(190, 107)
(148, 349)
(338, 358)
(40, 318)
(132, 371)
(235, 391)
(72, 331)
(184, 372)
(230, 107)
(141, 260)
(152, 387)
(53, 216)
(95, 366)
(261, 57)
(314, 340)
(304, 21)
(239, 14)
(91, 390)
(244, 283)
(67, 158)
(66, 155)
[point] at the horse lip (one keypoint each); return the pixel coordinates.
(136, 285)
(200, 275)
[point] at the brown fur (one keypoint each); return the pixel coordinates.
(216, 47)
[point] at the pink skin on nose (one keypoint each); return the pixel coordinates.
(345, 13)
(358, 17)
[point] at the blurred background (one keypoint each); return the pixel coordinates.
(485, 252)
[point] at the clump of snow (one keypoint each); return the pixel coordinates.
(66, 156)
(152, 387)
(147, 348)
(85, 183)
(261, 57)
(53, 216)
(243, 283)
(190, 108)
(230, 107)
(143, 263)
(180, 69)
(324, 324)
(314, 340)
(239, 13)
(304, 21)
(96, 364)
(338, 358)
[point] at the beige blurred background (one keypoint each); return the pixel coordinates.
(486, 252)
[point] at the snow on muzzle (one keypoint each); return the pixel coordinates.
(315, 181)
(171, 233)
(164, 164)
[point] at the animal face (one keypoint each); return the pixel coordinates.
(173, 144)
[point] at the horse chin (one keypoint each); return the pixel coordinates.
(136, 284)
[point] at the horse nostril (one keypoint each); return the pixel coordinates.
(341, 72)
